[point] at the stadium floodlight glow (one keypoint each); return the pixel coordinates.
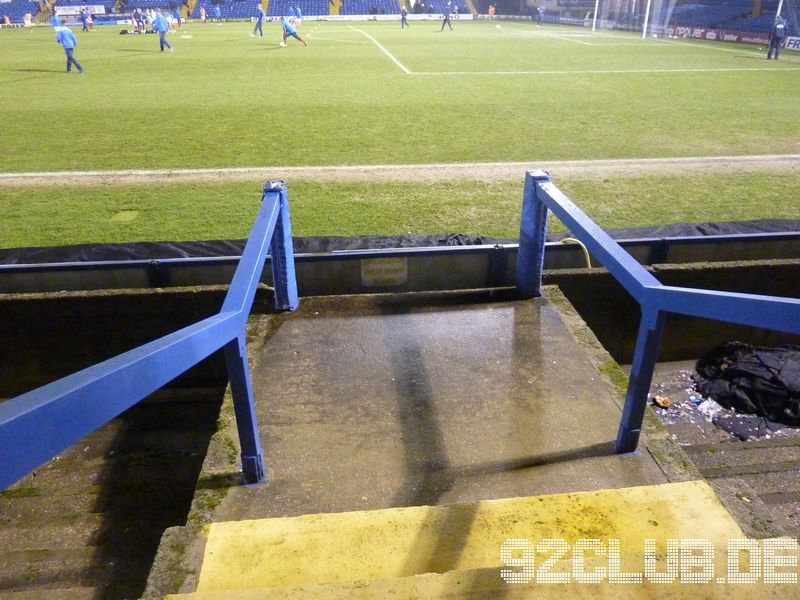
(646, 17)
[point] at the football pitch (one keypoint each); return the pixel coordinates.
(369, 93)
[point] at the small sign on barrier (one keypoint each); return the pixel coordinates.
(378, 272)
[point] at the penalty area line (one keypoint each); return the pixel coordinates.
(609, 71)
(384, 50)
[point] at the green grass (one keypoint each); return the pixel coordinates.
(225, 99)
(481, 93)
(62, 216)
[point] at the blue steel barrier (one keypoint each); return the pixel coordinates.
(655, 300)
(39, 424)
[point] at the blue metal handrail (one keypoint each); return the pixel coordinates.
(655, 300)
(39, 424)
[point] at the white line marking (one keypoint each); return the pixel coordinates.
(270, 171)
(569, 39)
(564, 31)
(608, 71)
(706, 45)
(596, 39)
(384, 50)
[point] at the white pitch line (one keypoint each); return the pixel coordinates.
(271, 171)
(578, 39)
(703, 45)
(700, 44)
(384, 50)
(548, 36)
(565, 32)
(569, 39)
(608, 71)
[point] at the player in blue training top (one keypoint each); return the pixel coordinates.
(298, 17)
(776, 36)
(66, 38)
(216, 13)
(160, 25)
(448, 8)
(289, 30)
(259, 21)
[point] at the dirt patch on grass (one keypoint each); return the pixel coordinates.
(491, 172)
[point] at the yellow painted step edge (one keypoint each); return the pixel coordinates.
(401, 542)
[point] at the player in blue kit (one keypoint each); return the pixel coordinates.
(448, 9)
(289, 30)
(259, 21)
(776, 37)
(66, 38)
(160, 25)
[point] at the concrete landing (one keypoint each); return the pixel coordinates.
(368, 402)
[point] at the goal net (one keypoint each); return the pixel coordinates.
(729, 20)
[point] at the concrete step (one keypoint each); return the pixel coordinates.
(377, 401)
(70, 474)
(55, 533)
(66, 593)
(49, 569)
(728, 458)
(770, 467)
(356, 547)
(485, 584)
(93, 516)
(41, 507)
(768, 470)
(35, 506)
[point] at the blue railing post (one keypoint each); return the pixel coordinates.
(275, 203)
(648, 343)
(37, 425)
(532, 235)
(245, 410)
(655, 299)
(282, 253)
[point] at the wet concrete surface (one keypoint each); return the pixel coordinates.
(378, 401)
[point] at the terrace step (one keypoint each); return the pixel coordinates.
(768, 468)
(87, 524)
(68, 593)
(55, 533)
(49, 569)
(448, 550)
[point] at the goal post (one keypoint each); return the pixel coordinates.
(726, 20)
